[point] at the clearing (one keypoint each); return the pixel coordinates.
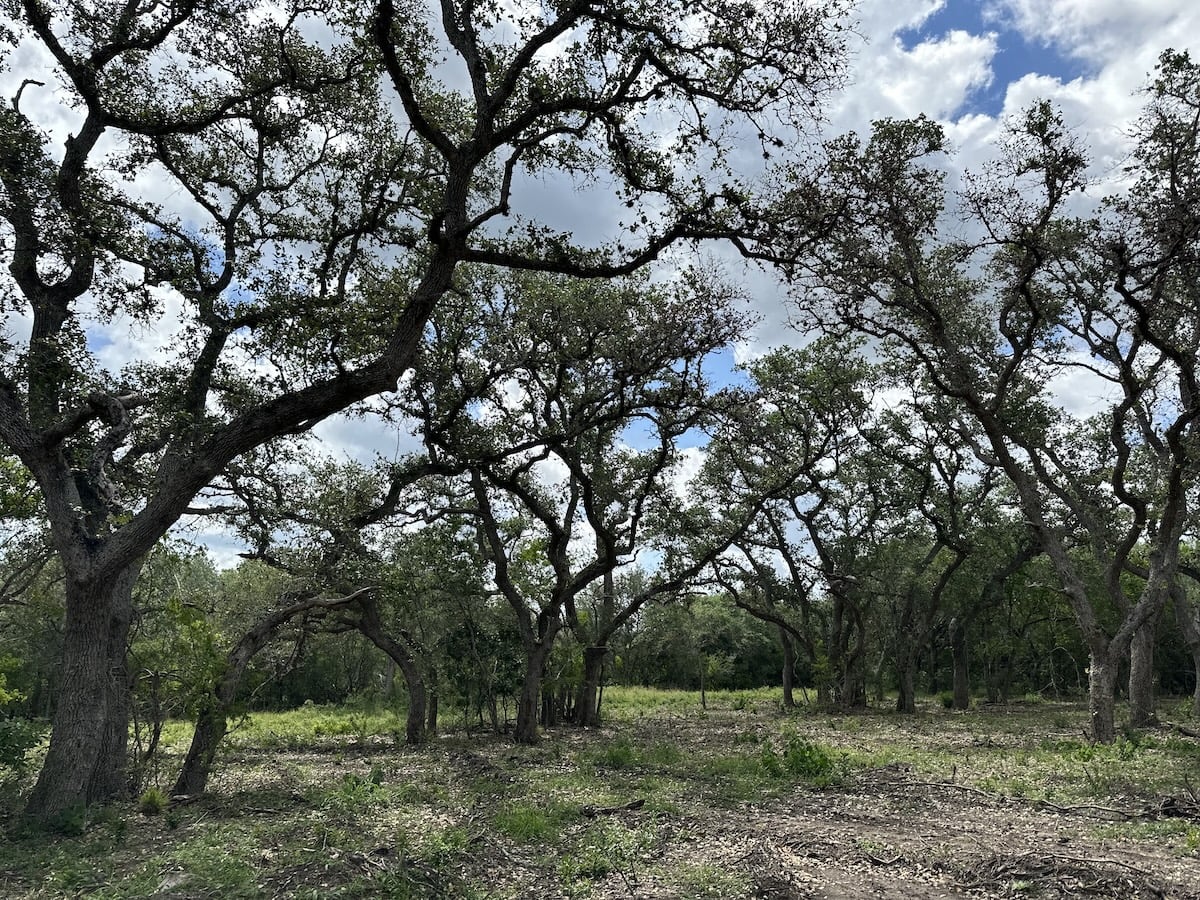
(668, 800)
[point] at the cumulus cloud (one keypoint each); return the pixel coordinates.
(1105, 32)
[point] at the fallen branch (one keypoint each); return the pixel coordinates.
(592, 811)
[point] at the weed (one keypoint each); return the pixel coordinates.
(152, 802)
(804, 759)
(529, 823)
(617, 755)
(443, 845)
(606, 848)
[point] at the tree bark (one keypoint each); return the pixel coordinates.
(211, 726)
(1189, 626)
(789, 669)
(1102, 681)
(528, 708)
(86, 761)
(906, 699)
(587, 708)
(414, 680)
(1141, 675)
(958, 650)
(213, 721)
(431, 712)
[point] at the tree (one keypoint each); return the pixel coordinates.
(806, 416)
(991, 324)
(564, 427)
(330, 189)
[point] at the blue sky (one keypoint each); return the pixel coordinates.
(1016, 55)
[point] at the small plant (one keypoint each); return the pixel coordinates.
(617, 755)
(152, 802)
(805, 759)
(947, 698)
(526, 823)
(771, 763)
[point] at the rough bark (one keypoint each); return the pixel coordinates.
(526, 729)
(431, 713)
(906, 698)
(587, 707)
(213, 721)
(1102, 682)
(86, 760)
(371, 624)
(1141, 675)
(789, 669)
(1186, 617)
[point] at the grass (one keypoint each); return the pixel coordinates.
(324, 802)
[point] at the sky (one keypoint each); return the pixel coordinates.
(967, 63)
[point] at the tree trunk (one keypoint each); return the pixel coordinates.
(211, 726)
(1189, 626)
(86, 761)
(1102, 682)
(371, 625)
(906, 700)
(789, 669)
(1196, 688)
(1141, 675)
(213, 721)
(431, 712)
(587, 707)
(389, 679)
(526, 730)
(958, 650)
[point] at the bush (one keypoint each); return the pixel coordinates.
(804, 759)
(17, 737)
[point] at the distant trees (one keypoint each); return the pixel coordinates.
(993, 323)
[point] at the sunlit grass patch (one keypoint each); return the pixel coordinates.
(311, 726)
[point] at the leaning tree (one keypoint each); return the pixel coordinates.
(278, 197)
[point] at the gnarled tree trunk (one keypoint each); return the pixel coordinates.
(1102, 682)
(213, 721)
(528, 706)
(958, 650)
(86, 761)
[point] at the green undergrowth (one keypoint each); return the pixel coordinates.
(328, 802)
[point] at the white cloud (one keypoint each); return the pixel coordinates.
(935, 76)
(1107, 32)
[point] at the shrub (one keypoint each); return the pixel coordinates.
(804, 759)
(17, 737)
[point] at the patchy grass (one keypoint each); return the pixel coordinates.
(728, 802)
